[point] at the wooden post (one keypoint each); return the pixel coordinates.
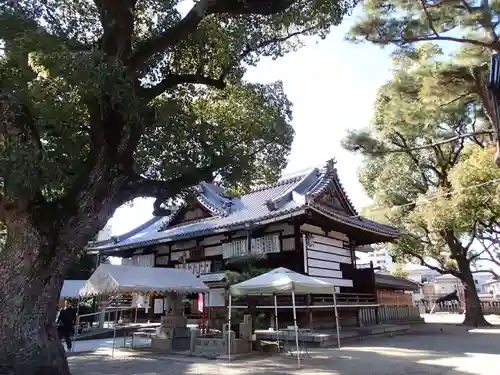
(352, 247)
(299, 249)
(309, 303)
(358, 317)
(377, 317)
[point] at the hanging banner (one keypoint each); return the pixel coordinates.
(200, 302)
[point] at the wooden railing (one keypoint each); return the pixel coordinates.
(353, 299)
(315, 301)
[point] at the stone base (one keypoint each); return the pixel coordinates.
(170, 345)
(177, 332)
(173, 339)
(173, 321)
(162, 344)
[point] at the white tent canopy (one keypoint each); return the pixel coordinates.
(110, 279)
(71, 288)
(282, 281)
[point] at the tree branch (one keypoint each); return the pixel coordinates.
(171, 36)
(428, 38)
(252, 48)
(434, 268)
(429, 18)
(492, 258)
(486, 271)
(117, 20)
(140, 186)
(472, 237)
(429, 145)
(406, 149)
(172, 80)
(190, 22)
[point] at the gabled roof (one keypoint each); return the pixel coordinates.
(395, 282)
(290, 196)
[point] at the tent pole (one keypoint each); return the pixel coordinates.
(296, 328)
(77, 323)
(276, 318)
(203, 317)
(229, 331)
(336, 317)
(114, 333)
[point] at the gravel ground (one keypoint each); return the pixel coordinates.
(432, 349)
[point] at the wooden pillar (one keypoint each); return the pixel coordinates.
(358, 317)
(309, 310)
(377, 317)
(299, 249)
(352, 247)
(249, 238)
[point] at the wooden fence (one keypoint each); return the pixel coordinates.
(393, 298)
(389, 314)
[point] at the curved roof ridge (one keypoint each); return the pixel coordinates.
(276, 184)
(299, 187)
(331, 174)
(213, 198)
(206, 203)
(130, 233)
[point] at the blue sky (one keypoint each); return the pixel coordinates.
(332, 85)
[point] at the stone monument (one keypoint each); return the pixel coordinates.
(172, 334)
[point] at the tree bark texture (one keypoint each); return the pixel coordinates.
(38, 253)
(32, 268)
(473, 310)
(28, 305)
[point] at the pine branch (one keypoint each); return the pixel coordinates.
(428, 38)
(423, 147)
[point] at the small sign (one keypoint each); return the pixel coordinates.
(158, 306)
(260, 245)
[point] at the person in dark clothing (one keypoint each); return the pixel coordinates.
(66, 321)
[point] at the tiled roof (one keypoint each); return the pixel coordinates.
(395, 282)
(289, 196)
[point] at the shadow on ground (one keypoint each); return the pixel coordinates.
(431, 350)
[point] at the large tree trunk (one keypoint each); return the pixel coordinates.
(32, 268)
(473, 311)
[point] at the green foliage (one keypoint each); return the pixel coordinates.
(402, 22)
(248, 273)
(468, 30)
(184, 100)
(416, 179)
(82, 268)
(244, 128)
(399, 271)
(445, 111)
